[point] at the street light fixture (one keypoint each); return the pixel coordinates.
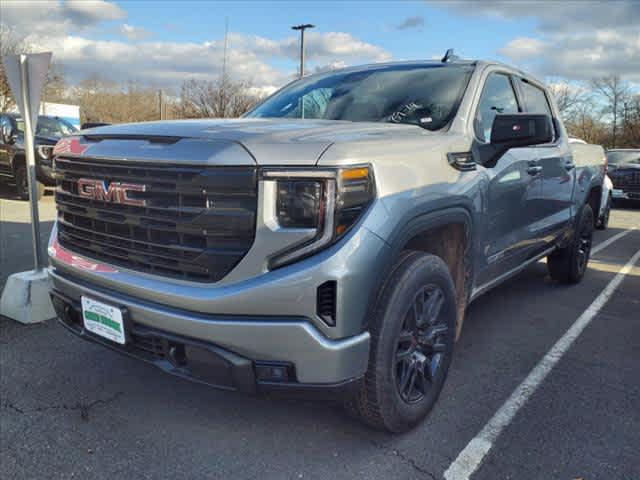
(302, 28)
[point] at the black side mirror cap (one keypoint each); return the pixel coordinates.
(515, 130)
(521, 129)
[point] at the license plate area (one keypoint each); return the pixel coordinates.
(104, 320)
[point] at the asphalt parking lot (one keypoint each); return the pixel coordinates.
(70, 409)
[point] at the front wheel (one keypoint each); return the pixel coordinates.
(568, 264)
(22, 184)
(412, 337)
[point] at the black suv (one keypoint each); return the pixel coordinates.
(12, 157)
(624, 171)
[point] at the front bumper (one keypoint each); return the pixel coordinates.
(252, 342)
(44, 174)
(622, 194)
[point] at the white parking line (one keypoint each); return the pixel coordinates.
(471, 457)
(609, 241)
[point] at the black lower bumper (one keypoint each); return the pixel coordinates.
(196, 360)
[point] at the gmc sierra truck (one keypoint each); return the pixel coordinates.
(331, 239)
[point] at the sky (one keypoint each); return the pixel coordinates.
(163, 43)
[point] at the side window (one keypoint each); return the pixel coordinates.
(497, 97)
(535, 100)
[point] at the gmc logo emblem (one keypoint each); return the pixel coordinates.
(114, 192)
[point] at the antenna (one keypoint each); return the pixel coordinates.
(224, 57)
(449, 56)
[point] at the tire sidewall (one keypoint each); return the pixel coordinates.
(22, 185)
(586, 221)
(421, 270)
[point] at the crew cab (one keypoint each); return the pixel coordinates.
(12, 153)
(331, 239)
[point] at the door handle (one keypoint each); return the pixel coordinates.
(534, 169)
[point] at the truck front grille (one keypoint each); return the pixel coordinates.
(197, 222)
(627, 178)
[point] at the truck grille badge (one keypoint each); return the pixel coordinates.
(114, 192)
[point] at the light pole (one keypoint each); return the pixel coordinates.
(302, 28)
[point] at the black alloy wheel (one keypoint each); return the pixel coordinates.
(413, 327)
(421, 345)
(569, 264)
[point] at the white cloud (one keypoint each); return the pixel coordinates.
(575, 39)
(90, 12)
(523, 47)
(318, 47)
(67, 29)
(327, 67)
(134, 33)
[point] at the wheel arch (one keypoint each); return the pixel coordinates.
(431, 233)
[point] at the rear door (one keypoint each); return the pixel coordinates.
(558, 170)
(514, 189)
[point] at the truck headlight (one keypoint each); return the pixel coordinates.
(45, 152)
(325, 202)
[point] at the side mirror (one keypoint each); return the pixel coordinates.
(515, 130)
(8, 134)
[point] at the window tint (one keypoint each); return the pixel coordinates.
(535, 99)
(54, 127)
(311, 105)
(497, 97)
(424, 95)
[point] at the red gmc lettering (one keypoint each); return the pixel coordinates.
(115, 192)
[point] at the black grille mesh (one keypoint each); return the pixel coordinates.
(197, 224)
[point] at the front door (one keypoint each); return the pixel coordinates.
(514, 189)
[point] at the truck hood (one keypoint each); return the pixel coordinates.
(235, 142)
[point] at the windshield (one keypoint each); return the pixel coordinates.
(49, 127)
(626, 156)
(424, 95)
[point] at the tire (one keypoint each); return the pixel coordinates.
(22, 184)
(569, 264)
(603, 220)
(412, 337)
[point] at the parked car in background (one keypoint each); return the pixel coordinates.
(331, 239)
(12, 154)
(593, 156)
(624, 170)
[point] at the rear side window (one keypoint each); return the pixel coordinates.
(535, 99)
(497, 96)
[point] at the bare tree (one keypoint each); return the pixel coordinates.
(223, 98)
(10, 44)
(103, 101)
(614, 92)
(569, 98)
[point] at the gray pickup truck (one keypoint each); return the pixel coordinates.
(331, 239)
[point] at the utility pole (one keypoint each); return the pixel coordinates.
(302, 28)
(160, 104)
(222, 88)
(224, 56)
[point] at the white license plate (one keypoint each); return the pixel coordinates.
(103, 320)
(617, 193)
